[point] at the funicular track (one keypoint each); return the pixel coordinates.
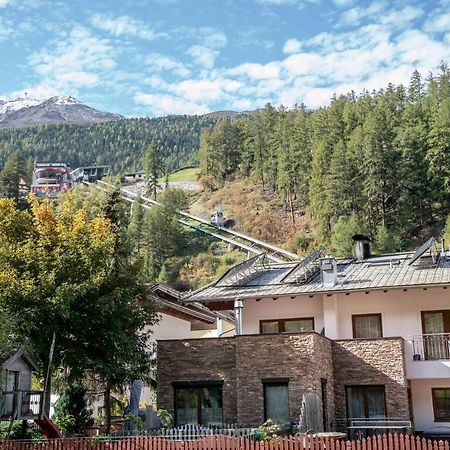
(240, 240)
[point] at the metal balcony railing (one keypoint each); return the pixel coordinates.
(21, 405)
(428, 347)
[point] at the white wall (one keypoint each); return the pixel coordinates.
(423, 406)
(282, 308)
(400, 310)
(170, 327)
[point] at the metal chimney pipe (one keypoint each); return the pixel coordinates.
(238, 306)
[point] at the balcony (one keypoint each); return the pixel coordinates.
(431, 347)
(21, 405)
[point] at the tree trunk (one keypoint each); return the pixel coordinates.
(291, 204)
(107, 406)
(48, 360)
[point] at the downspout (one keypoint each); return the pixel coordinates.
(238, 306)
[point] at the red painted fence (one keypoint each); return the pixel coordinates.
(385, 442)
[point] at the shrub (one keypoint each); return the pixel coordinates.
(71, 412)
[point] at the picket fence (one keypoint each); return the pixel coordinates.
(191, 432)
(298, 442)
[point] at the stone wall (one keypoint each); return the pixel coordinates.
(302, 359)
(371, 361)
(244, 362)
(194, 360)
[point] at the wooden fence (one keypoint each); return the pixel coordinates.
(302, 442)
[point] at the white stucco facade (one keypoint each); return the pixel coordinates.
(281, 308)
(400, 310)
(423, 405)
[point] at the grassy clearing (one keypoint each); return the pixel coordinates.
(189, 174)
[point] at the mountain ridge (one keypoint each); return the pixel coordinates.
(24, 112)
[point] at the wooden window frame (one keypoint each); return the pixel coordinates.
(366, 403)
(367, 315)
(282, 322)
(440, 419)
(274, 382)
(446, 313)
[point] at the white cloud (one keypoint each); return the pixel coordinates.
(383, 45)
(210, 41)
(213, 38)
(6, 29)
(353, 16)
(403, 17)
(77, 60)
(203, 56)
(439, 23)
(157, 62)
(257, 71)
(292, 46)
(165, 104)
(3, 3)
(124, 26)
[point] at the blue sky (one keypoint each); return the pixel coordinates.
(159, 57)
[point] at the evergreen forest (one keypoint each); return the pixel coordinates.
(376, 163)
(120, 144)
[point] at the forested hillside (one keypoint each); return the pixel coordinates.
(119, 144)
(377, 163)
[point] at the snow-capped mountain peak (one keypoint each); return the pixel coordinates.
(58, 109)
(61, 100)
(17, 104)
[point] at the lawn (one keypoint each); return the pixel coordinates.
(189, 174)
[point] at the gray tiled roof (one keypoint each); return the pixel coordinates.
(390, 271)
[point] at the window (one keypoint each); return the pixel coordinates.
(367, 326)
(286, 325)
(441, 404)
(435, 327)
(198, 405)
(366, 402)
(276, 401)
(436, 322)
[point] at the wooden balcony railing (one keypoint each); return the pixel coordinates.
(21, 405)
(428, 347)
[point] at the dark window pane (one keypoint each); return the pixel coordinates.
(441, 403)
(366, 402)
(276, 400)
(297, 325)
(367, 326)
(376, 402)
(269, 327)
(355, 400)
(212, 413)
(187, 406)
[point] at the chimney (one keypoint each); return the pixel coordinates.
(361, 247)
(328, 271)
(238, 307)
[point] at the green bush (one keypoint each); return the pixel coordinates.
(72, 414)
(20, 430)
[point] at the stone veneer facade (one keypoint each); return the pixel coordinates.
(372, 361)
(304, 360)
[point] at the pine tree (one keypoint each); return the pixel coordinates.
(153, 168)
(10, 177)
(135, 226)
